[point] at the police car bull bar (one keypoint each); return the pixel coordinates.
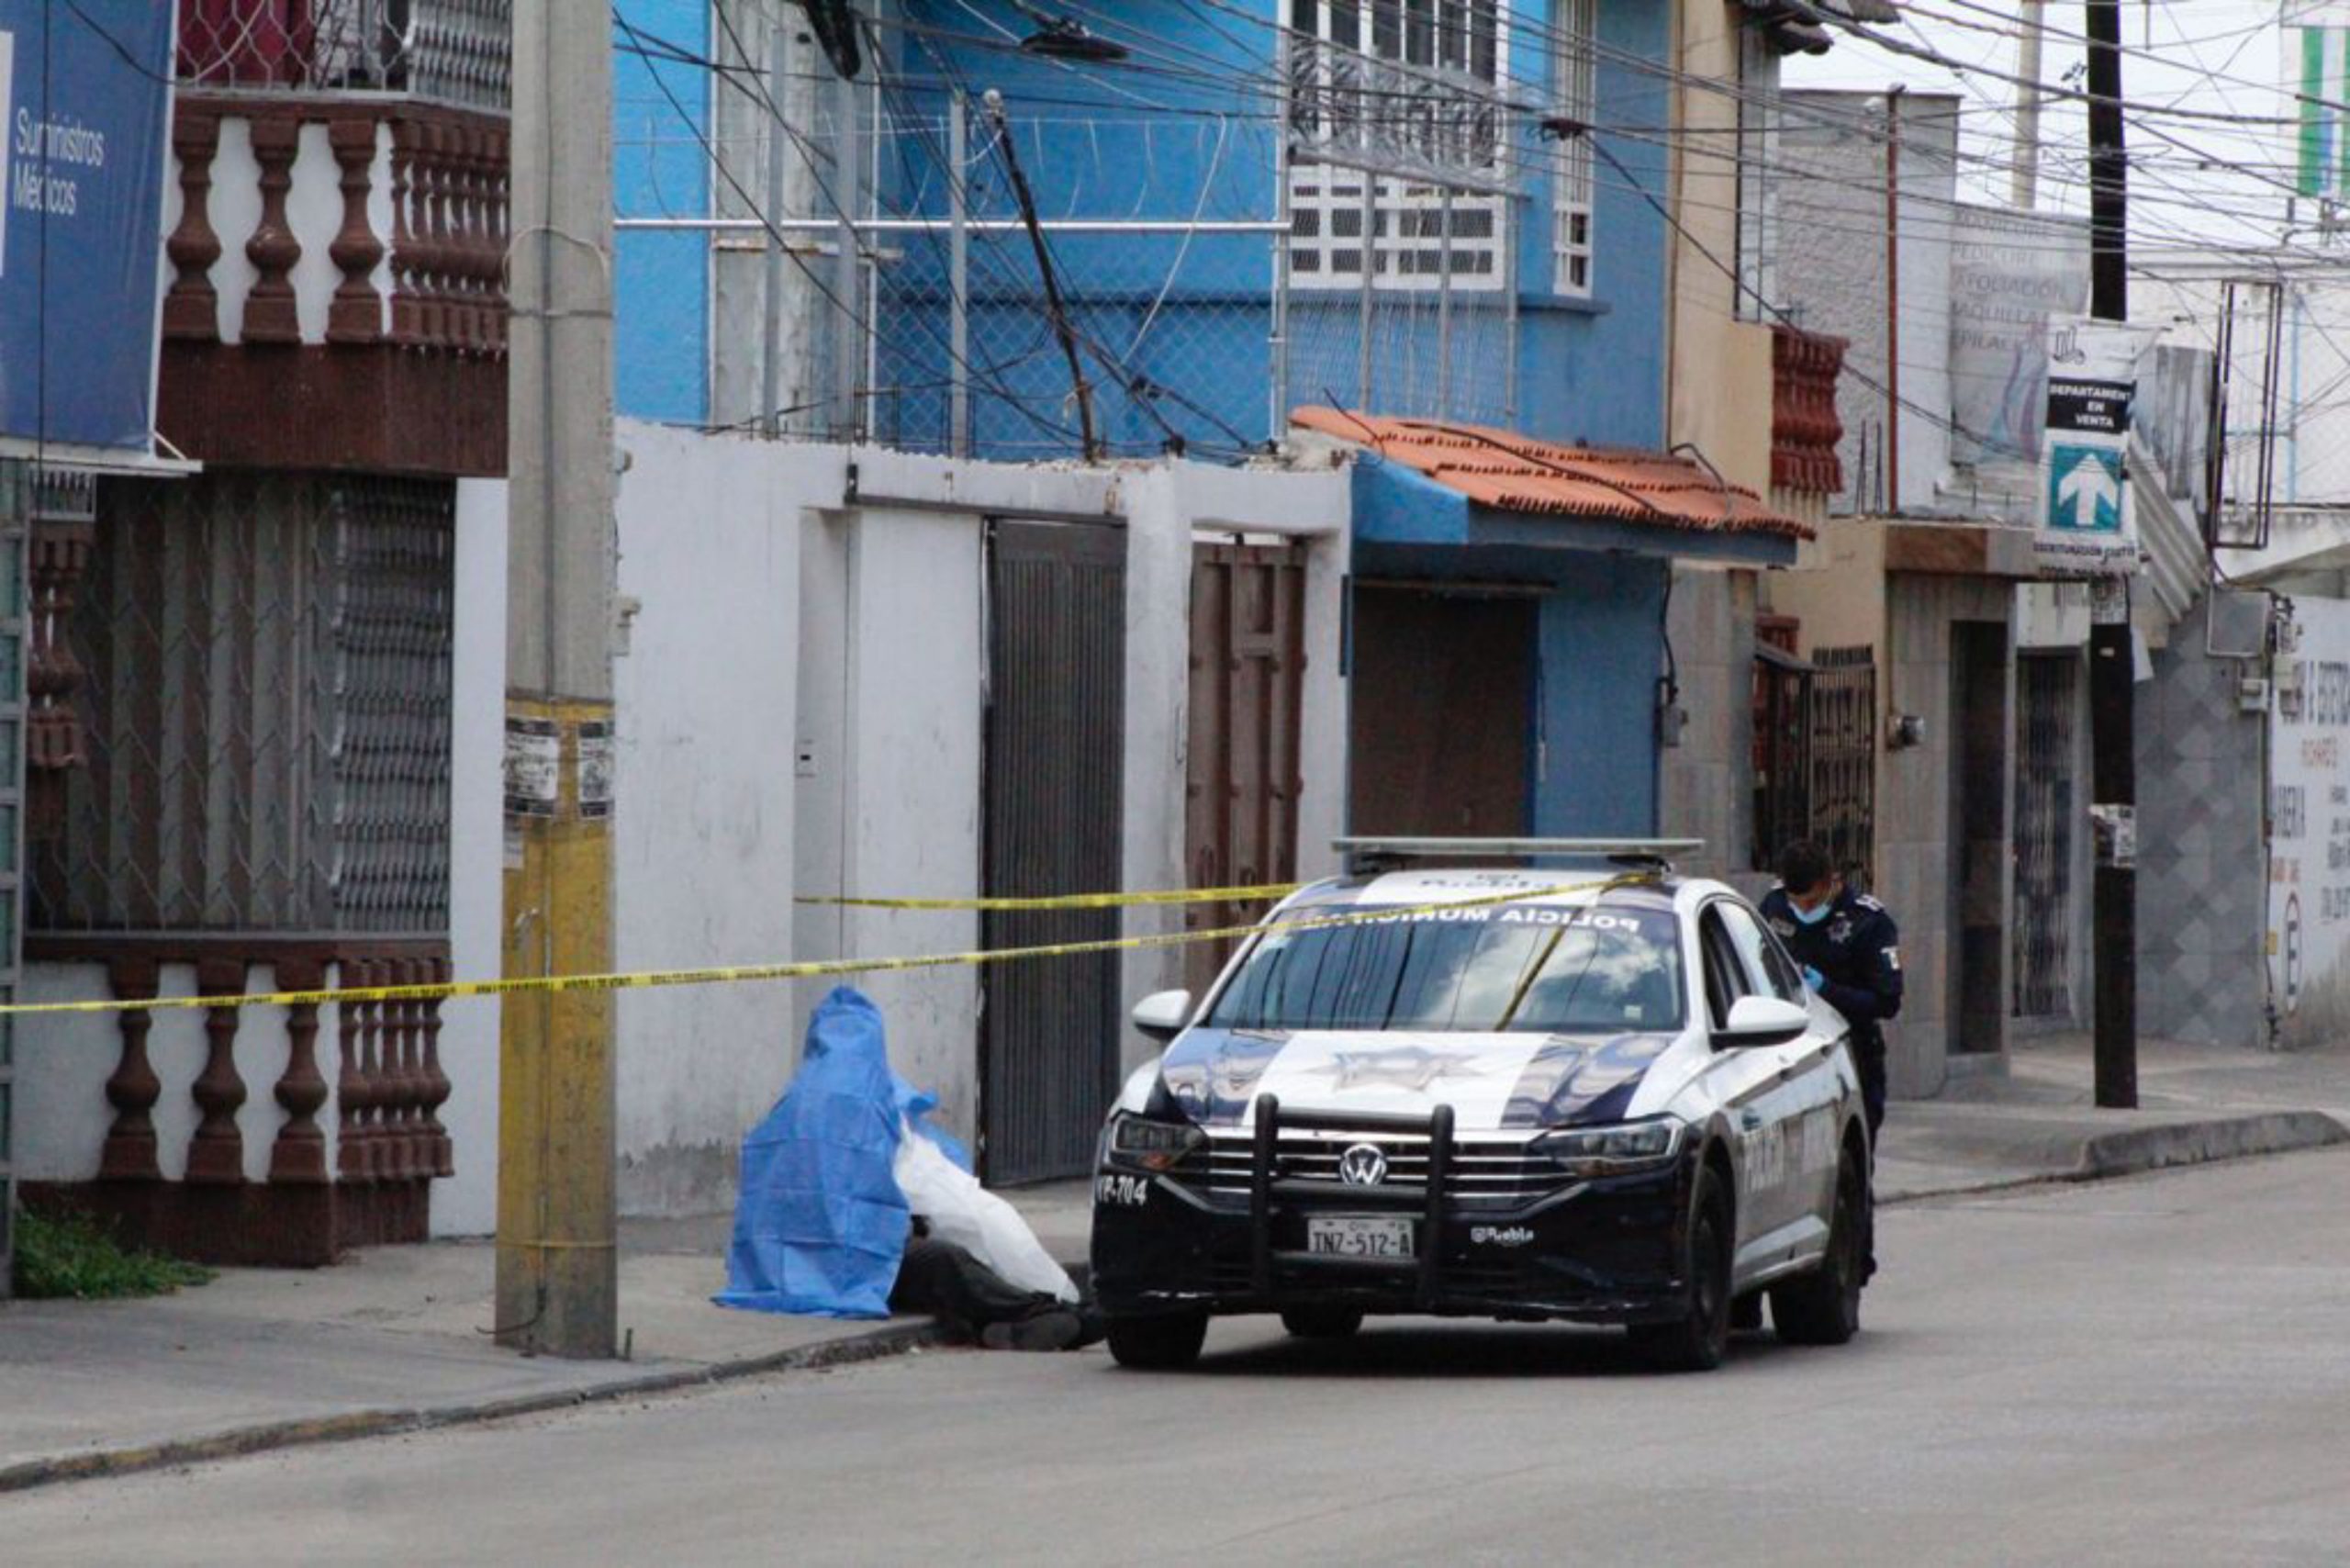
(1268, 1190)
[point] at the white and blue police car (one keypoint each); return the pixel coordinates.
(1591, 1092)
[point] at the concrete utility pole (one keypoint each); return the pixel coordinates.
(2113, 673)
(557, 1282)
(2026, 189)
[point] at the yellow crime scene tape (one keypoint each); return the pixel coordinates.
(735, 974)
(1069, 901)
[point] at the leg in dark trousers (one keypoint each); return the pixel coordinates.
(976, 1302)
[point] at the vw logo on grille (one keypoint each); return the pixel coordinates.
(1363, 1164)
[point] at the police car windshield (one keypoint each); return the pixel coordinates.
(1512, 966)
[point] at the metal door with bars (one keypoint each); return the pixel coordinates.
(1056, 742)
(2046, 696)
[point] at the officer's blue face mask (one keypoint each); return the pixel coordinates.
(1818, 911)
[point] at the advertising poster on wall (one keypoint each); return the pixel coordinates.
(86, 103)
(2309, 830)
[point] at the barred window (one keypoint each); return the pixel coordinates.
(1576, 90)
(266, 701)
(1395, 112)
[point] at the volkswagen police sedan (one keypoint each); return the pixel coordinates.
(1598, 1094)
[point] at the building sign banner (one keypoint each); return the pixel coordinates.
(2010, 274)
(2087, 526)
(85, 106)
(2309, 829)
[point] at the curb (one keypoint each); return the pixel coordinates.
(276, 1434)
(2138, 1151)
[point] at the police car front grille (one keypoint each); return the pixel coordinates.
(1489, 1169)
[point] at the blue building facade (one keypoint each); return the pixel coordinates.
(1176, 321)
(1212, 284)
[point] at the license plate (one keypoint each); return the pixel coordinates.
(1358, 1235)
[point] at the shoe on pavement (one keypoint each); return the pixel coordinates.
(1057, 1328)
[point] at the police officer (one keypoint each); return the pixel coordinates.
(1851, 955)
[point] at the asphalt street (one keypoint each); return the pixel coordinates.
(2150, 1371)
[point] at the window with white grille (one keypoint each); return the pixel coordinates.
(1396, 142)
(1575, 93)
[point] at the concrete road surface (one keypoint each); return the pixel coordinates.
(2152, 1371)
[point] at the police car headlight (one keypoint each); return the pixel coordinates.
(1150, 1145)
(1607, 1151)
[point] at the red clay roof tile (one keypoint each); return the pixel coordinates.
(1500, 468)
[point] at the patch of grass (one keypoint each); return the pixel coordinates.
(71, 1256)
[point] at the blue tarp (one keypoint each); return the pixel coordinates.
(819, 1224)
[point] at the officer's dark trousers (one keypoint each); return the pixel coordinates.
(1868, 1051)
(944, 1281)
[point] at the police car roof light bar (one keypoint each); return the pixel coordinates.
(1366, 854)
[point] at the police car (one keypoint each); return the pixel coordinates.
(1593, 1092)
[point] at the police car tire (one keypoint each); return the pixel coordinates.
(1697, 1342)
(1321, 1322)
(1823, 1308)
(1159, 1342)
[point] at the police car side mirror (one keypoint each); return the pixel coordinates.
(1761, 1021)
(1162, 1015)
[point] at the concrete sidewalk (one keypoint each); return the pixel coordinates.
(397, 1338)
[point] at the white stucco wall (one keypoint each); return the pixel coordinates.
(802, 712)
(466, 1204)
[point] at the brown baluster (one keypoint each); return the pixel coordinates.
(129, 1151)
(271, 316)
(215, 1155)
(356, 315)
(192, 310)
(374, 1066)
(457, 179)
(432, 234)
(402, 1080)
(299, 1153)
(436, 1081)
(407, 325)
(354, 1085)
(495, 152)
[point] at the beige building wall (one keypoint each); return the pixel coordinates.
(1719, 396)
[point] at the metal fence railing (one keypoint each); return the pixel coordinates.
(1213, 271)
(452, 51)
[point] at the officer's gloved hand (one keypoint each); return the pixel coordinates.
(1814, 978)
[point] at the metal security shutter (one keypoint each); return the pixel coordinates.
(15, 483)
(1055, 753)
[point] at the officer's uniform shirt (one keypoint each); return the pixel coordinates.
(1856, 950)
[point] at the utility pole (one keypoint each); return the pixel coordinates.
(2026, 189)
(557, 1282)
(1893, 298)
(2113, 673)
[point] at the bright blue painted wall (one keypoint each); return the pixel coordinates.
(1182, 128)
(661, 280)
(1601, 636)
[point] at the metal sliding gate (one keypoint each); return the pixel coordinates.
(2046, 694)
(1053, 793)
